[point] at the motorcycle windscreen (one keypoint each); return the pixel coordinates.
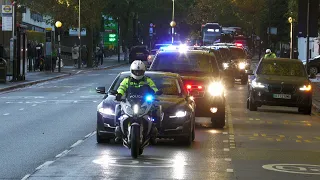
(137, 95)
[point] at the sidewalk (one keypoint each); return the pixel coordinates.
(39, 77)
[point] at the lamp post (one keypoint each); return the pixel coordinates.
(291, 36)
(172, 23)
(58, 25)
(79, 60)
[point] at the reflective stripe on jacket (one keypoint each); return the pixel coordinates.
(124, 85)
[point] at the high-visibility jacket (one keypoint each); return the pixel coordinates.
(124, 85)
(271, 55)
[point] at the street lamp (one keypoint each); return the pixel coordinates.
(291, 36)
(173, 23)
(59, 25)
(79, 60)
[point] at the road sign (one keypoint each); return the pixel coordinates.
(6, 17)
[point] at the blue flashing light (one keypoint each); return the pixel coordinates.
(149, 98)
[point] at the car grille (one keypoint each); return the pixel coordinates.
(284, 88)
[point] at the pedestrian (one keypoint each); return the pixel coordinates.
(100, 54)
(75, 54)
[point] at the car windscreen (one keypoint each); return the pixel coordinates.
(139, 49)
(225, 53)
(277, 68)
(184, 63)
(169, 85)
(238, 53)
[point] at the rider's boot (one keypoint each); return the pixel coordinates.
(118, 134)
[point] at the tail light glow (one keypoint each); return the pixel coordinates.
(199, 87)
(189, 86)
(238, 45)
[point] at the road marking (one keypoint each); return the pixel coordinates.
(231, 137)
(269, 122)
(270, 139)
(230, 170)
(264, 135)
(75, 101)
(6, 114)
(294, 168)
(63, 153)
(232, 141)
(257, 119)
(278, 139)
(251, 119)
(226, 149)
(63, 94)
(95, 101)
(317, 138)
(34, 105)
(21, 109)
(227, 159)
(300, 137)
(282, 136)
(225, 141)
(47, 163)
(308, 141)
(255, 134)
(88, 135)
(76, 143)
(225, 133)
(26, 177)
(298, 141)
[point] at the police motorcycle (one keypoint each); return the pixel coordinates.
(136, 116)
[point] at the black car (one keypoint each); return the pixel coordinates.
(201, 76)
(139, 53)
(177, 106)
(280, 82)
(314, 65)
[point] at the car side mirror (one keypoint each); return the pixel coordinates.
(113, 92)
(312, 76)
(160, 92)
(249, 72)
(101, 90)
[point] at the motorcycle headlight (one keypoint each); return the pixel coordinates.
(106, 111)
(305, 88)
(135, 109)
(256, 84)
(216, 89)
(179, 114)
(225, 65)
(242, 65)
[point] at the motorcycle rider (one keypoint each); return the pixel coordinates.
(136, 80)
(269, 54)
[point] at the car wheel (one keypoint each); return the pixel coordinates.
(244, 80)
(305, 110)
(313, 70)
(100, 139)
(193, 133)
(252, 105)
(218, 120)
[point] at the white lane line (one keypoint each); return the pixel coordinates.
(232, 147)
(8, 102)
(95, 101)
(26, 177)
(76, 144)
(232, 141)
(63, 153)
(6, 114)
(21, 109)
(231, 135)
(230, 170)
(227, 159)
(225, 133)
(94, 133)
(88, 135)
(63, 94)
(47, 163)
(34, 105)
(75, 101)
(226, 149)
(225, 141)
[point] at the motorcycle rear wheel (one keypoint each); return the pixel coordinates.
(135, 141)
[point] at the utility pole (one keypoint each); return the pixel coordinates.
(14, 30)
(79, 60)
(118, 39)
(308, 23)
(291, 37)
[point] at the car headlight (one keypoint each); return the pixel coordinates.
(225, 65)
(256, 84)
(106, 111)
(306, 88)
(179, 114)
(216, 89)
(242, 65)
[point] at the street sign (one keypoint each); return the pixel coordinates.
(7, 17)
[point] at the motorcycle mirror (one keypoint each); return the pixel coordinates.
(159, 92)
(101, 90)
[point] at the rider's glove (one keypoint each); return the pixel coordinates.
(118, 97)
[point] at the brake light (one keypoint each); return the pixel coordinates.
(188, 86)
(238, 45)
(199, 87)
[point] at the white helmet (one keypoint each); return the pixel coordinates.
(268, 51)
(137, 69)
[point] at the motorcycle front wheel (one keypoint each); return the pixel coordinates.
(135, 141)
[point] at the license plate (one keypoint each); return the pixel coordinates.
(282, 96)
